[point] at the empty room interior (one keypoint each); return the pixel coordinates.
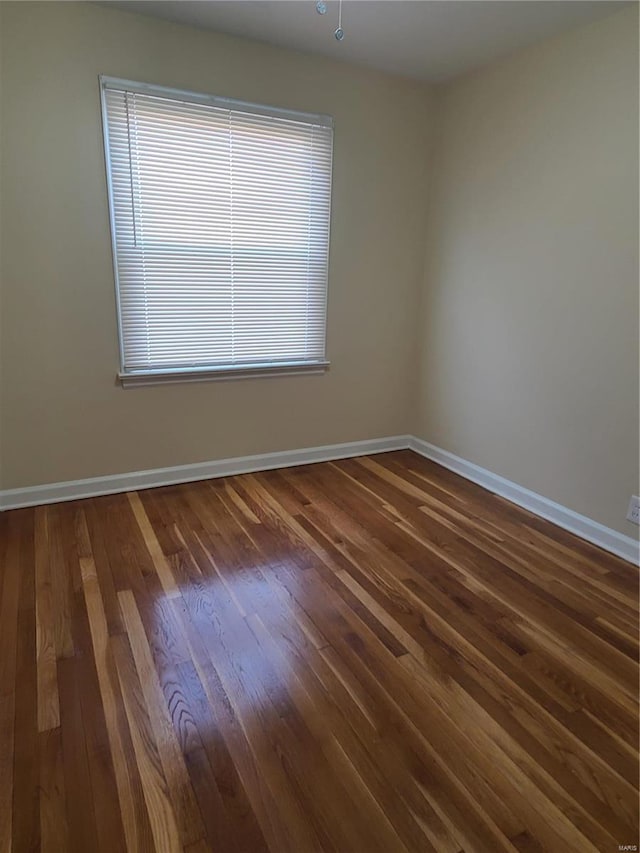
(319, 435)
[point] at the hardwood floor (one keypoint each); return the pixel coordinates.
(360, 656)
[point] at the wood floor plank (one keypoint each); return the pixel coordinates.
(227, 742)
(153, 546)
(81, 808)
(13, 529)
(133, 813)
(92, 519)
(315, 683)
(26, 822)
(109, 824)
(162, 818)
(364, 656)
(261, 704)
(61, 579)
(230, 820)
(48, 700)
(54, 830)
(171, 758)
(386, 717)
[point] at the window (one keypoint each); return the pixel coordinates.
(220, 229)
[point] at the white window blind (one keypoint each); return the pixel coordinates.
(220, 225)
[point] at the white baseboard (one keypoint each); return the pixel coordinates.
(95, 486)
(617, 543)
(594, 532)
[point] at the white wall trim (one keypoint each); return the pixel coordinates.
(594, 532)
(95, 486)
(617, 543)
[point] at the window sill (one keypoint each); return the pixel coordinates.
(191, 374)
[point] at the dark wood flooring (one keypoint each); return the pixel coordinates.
(365, 656)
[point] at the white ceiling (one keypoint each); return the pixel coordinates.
(427, 39)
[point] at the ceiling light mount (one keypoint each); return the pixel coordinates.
(321, 9)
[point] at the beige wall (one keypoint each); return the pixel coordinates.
(529, 361)
(63, 415)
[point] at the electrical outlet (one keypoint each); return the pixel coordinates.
(633, 513)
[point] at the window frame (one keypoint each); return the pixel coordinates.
(153, 376)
